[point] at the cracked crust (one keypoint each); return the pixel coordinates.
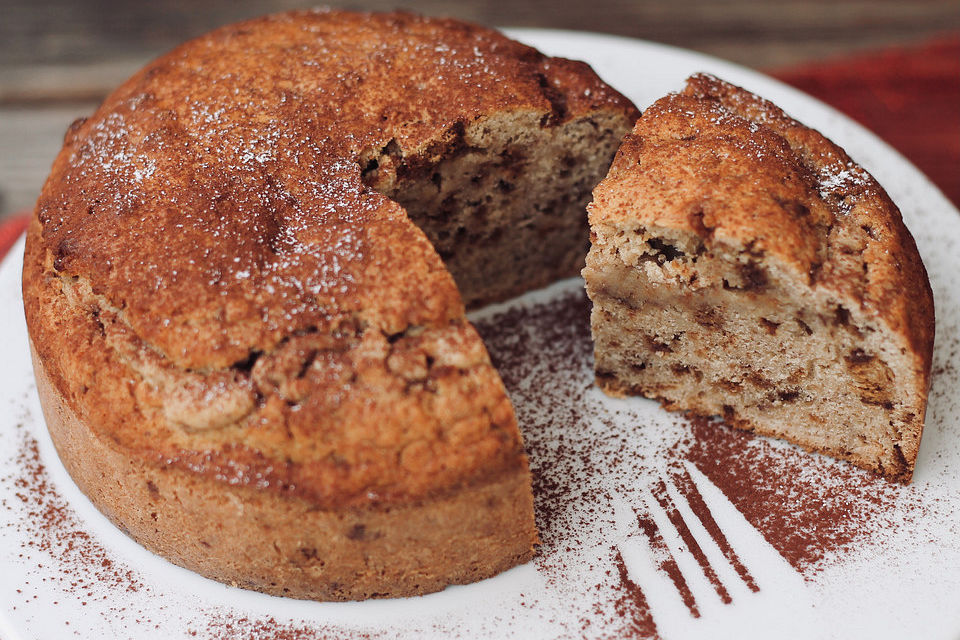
(743, 265)
(219, 301)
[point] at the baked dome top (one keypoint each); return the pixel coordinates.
(213, 287)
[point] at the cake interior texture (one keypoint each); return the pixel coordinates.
(504, 204)
(743, 266)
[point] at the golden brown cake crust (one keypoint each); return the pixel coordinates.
(214, 295)
(764, 179)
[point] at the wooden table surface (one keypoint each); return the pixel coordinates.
(58, 58)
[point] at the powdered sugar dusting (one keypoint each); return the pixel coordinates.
(838, 179)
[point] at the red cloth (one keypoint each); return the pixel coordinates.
(908, 96)
(10, 230)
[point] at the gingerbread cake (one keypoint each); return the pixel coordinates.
(245, 287)
(744, 266)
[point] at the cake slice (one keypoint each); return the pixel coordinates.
(743, 266)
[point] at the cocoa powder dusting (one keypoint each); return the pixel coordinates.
(50, 526)
(667, 563)
(659, 490)
(230, 625)
(632, 604)
(806, 506)
(691, 494)
(60, 546)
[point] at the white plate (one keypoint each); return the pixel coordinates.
(891, 569)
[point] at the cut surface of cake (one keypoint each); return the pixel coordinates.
(743, 266)
(249, 347)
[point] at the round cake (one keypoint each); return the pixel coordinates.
(245, 286)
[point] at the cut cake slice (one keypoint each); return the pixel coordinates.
(742, 265)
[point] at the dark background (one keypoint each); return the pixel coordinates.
(59, 58)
